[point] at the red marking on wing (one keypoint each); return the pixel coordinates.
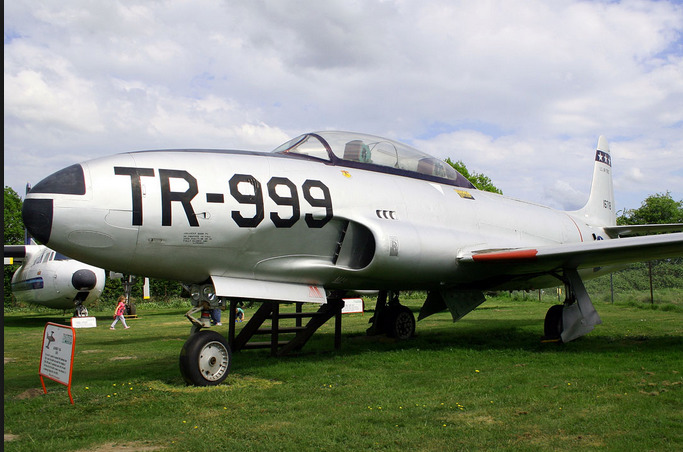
(506, 255)
(314, 292)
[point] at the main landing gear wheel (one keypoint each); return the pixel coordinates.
(400, 323)
(552, 327)
(205, 359)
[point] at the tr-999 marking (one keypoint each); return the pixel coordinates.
(252, 195)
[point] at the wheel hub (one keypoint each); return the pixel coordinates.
(403, 325)
(213, 361)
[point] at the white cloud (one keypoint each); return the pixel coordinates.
(41, 89)
(500, 85)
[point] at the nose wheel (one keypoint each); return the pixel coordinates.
(205, 359)
(80, 311)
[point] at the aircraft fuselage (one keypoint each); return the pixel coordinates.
(272, 217)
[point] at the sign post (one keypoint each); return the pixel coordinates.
(57, 355)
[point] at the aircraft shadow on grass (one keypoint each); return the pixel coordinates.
(496, 336)
(471, 334)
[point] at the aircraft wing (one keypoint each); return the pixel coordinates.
(264, 290)
(580, 255)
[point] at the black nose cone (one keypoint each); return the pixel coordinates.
(37, 215)
(84, 279)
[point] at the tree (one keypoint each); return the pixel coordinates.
(14, 225)
(160, 289)
(656, 209)
(14, 235)
(480, 181)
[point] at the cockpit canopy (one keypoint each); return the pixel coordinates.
(372, 153)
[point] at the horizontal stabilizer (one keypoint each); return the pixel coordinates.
(640, 229)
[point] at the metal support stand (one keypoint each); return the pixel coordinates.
(377, 326)
(270, 310)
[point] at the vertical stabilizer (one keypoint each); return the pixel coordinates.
(600, 208)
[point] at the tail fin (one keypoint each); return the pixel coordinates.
(600, 208)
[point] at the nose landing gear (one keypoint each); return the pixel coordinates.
(205, 359)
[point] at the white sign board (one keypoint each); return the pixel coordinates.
(56, 357)
(84, 322)
(352, 305)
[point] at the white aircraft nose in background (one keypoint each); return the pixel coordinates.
(48, 278)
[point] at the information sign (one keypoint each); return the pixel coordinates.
(56, 356)
(352, 305)
(84, 322)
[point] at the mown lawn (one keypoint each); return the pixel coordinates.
(486, 382)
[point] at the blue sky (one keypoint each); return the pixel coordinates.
(519, 91)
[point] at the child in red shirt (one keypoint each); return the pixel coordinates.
(120, 310)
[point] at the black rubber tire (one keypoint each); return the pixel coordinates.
(400, 323)
(205, 359)
(552, 327)
(132, 309)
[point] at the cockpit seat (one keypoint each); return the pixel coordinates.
(357, 151)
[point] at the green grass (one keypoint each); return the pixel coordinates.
(485, 382)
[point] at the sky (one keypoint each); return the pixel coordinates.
(519, 91)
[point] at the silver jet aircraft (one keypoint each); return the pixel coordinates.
(325, 214)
